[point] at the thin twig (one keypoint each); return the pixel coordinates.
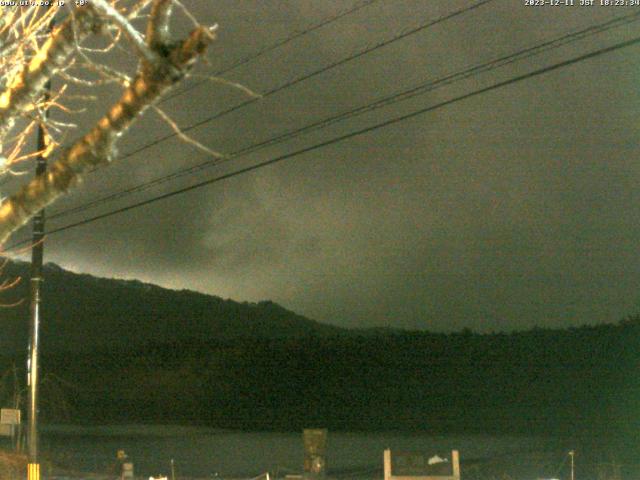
(185, 137)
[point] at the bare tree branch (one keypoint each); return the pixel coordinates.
(97, 147)
(134, 36)
(158, 25)
(25, 87)
(186, 138)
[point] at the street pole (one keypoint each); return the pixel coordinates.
(573, 476)
(37, 254)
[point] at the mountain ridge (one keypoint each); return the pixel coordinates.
(83, 312)
(134, 352)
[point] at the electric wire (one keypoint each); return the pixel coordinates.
(385, 101)
(402, 35)
(259, 53)
(275, 45)
(367, 50)
(355, 133)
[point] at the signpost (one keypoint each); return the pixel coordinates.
(9, 416)
(9, 422)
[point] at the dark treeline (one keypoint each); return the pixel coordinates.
(86, 313)
(123, 351)
(541, 381)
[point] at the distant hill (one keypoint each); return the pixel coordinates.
(85, 313)
(127, 352)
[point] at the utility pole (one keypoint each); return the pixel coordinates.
(37, 254)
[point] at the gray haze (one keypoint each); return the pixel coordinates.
(514, 208)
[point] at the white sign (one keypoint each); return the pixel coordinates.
(9, 416)
(127, 470)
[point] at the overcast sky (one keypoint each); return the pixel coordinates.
(514, 208)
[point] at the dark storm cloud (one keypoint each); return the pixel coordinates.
(508, 210)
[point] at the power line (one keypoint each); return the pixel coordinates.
(275, 45)
(259, 53)
(352, 134)
(352, 57)
(307, 76)
(385, 101)
(367, 50)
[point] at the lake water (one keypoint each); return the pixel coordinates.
(204, 452)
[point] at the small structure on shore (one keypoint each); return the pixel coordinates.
(314, 466)
(420, 466)
(315, 452)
